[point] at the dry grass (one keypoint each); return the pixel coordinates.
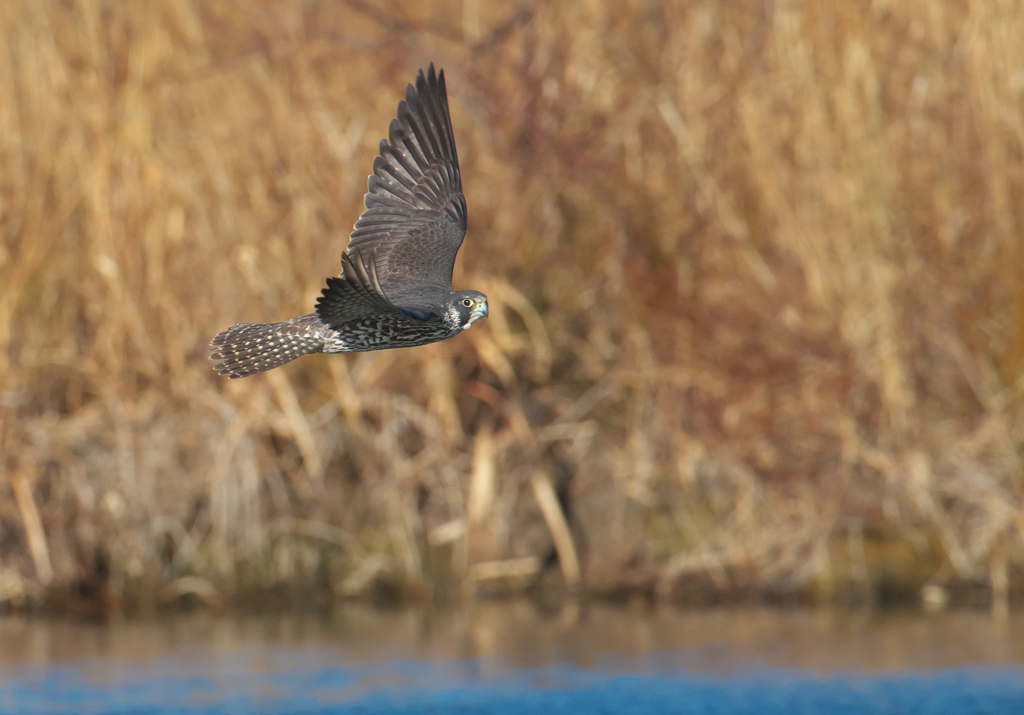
(755, 271)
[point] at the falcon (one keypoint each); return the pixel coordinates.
(394, 290)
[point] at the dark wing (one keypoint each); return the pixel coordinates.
(415, 215)
(355, 295)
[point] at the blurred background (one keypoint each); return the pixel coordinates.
(756, 278)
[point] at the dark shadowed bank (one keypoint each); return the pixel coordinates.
(756, 286)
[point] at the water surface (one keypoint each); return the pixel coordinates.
(513, 658)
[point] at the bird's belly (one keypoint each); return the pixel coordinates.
(371, 334)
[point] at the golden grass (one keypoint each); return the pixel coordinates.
(755, 272)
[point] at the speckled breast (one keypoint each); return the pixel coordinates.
(377, 334)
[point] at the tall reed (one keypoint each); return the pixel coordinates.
(755, 272)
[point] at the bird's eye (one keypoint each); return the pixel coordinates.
(467, 302)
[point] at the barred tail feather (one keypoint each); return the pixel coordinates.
(247, 349)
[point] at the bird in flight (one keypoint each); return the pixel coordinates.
(394, 290)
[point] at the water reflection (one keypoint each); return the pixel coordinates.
(507, 658)
(516, 635)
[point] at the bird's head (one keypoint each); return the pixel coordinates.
(470, 305)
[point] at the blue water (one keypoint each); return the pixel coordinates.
(510, 657)
(284, 682)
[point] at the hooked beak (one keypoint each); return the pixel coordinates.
(480, 311)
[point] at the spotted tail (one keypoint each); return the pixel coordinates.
(247, 349)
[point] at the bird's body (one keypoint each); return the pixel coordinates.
(395, 286)
(249, 348)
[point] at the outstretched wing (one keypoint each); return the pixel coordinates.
(356, 294)
(415, 217)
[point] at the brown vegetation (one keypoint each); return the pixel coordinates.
(755, 271)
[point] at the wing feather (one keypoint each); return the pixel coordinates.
(356, 294)
(415, 217)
